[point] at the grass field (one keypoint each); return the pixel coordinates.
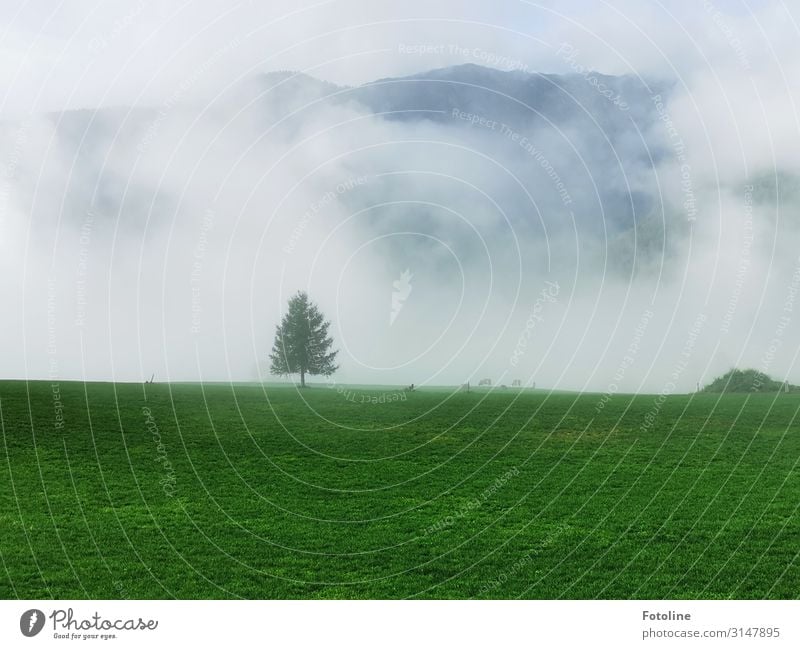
(217, 491)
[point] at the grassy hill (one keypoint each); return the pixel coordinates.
(746, 381)
(213, 491)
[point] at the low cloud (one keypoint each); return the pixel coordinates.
(163, 228)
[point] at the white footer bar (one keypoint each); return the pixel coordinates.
(404, 624)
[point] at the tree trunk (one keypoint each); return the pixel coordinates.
(302, 378)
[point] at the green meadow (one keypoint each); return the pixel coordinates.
(236, 491)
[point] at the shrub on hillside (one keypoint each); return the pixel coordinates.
(748, 380)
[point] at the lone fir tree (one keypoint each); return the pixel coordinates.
(302, 344)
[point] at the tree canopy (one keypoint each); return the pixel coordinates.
(302, 344)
